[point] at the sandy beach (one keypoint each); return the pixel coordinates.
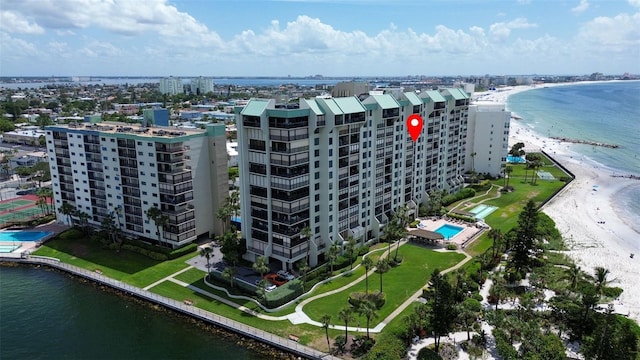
(585, 212)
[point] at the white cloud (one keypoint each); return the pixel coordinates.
(500, 31)
(583, 6)
(16, 48)
(620, 33)
(101, 49)
(124, 17)
(635, 3)
(12, 22)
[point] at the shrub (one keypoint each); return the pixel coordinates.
(462, 194)
(361, 346)
(362, 250)
(176, 253)
(428, 354)
(387, 347)
(414, 224)
(340, 343)
(452, 247)
(376, 298)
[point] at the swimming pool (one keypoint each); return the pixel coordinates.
(21, 235)
(516, 159)
(449, 231)
(482, 211)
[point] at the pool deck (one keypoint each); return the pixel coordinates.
(30, 246)
(469, 231)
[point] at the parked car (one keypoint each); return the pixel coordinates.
(286, 275)
(268, 287)
(275, 279)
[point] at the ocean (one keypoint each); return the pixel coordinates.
(607, 112)
(46, 314)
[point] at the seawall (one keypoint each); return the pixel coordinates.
(180, 307)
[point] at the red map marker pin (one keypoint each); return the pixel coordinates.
(414, 126)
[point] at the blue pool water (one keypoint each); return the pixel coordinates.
(449, 231)
(482, 211)
(516, 159)
(23, 235)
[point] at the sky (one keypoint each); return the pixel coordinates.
(325, 37)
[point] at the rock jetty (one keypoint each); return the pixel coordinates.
(586, 142)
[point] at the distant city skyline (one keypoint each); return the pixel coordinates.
(307, 37)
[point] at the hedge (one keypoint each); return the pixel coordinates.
(462, 194)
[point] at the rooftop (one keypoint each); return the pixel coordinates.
(109, 127)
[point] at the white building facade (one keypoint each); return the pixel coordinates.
(171, 86)
(123, 170)
(487, 137)
(342, 167)
(201, 85)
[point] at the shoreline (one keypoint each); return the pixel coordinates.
(223, 324)
(586, 212)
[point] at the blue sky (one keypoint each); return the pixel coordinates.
(307, 37)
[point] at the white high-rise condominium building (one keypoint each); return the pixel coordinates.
(487, 137)
(123, 170)
(171, 86)
(341, 167)
(201, 85)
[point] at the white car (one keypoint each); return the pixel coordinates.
(286, 275)
(268, 287)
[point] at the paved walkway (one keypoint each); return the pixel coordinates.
(299, 316)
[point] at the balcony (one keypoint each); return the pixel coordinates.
(290, 184)
(175, 189)
(177, 178)
(177, 219)
(170, 158)
(176, 200)
(170, 148)
(172, 169)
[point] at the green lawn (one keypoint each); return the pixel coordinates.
(398, 284)
(127, 266)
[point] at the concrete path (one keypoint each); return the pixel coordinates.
(299, 316)
(167, 278)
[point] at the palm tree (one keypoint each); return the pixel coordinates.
(303, 267)
(223, 215)
(326, 320)
(346, 315)
(382, 267)
(507, 175)
(229, 273)
(350, 249)
(67, 209)
(159, 219)
(600, 279)
(207, 252)
(83, 219)
(368, 310)
(367, 263)
(497, 237)
(260, 266)
(334, 251)
(574, 274)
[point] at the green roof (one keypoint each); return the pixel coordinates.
(313, 105)
(435, 96)
(349, 105)
(413, 98)
(331, 104)
(255, 107)
(386, 101)
(458, 93)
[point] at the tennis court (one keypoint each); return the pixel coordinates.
(13, 204)
(544, 175)
(20, 209)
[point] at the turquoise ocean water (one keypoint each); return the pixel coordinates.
(602, 112)
(46, 314)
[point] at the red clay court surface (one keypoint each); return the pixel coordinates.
(20, 208)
